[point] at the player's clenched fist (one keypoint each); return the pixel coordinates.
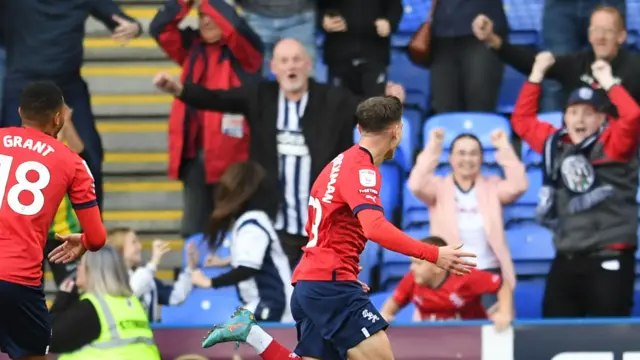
(165, 82)
(451, 258)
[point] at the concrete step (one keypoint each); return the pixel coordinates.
(134, 135)
(143, 13)
(142, 194)
(103, 48)
(135, 163)
(149, 221)
(131, 105)
(121, 78)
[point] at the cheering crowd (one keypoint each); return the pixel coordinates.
(250, 130)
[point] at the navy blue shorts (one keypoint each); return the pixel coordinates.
(25, 328)
(332, 317)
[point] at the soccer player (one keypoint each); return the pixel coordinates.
(36, 171)
(334, 317)
(439, 296)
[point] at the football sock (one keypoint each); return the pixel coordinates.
(268, 348)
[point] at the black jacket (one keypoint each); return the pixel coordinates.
(360, 41)
(327, 125)
(44, 39)
(574, 70)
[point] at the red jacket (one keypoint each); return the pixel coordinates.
(234, 60)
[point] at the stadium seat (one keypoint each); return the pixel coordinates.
(415, 13)
(414, 211)
(414, 79)
(528, 297)
(554, 118)
(524, 18)
(530, 157)
(479, 124)
(510, 89)
(202, 308)
(390, 193)
(404, 316)
(203, 248)
(635, 312)
(392, 268)
(531, 248)
(525, 207)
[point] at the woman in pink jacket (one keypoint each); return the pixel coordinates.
(465, 206)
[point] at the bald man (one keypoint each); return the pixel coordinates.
(297, 127)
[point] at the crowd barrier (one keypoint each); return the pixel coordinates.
(597, 339)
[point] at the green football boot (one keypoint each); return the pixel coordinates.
(235, 329)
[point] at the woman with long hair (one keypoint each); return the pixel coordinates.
(465, 206)
(260, 269)
(107, 321)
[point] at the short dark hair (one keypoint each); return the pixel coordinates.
(435, 241)
(40, 100)
(467, 136)
(377, 113)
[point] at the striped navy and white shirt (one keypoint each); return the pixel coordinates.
(255, 244)
(294, 166)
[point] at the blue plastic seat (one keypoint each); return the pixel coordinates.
(415, 212)
(390, 192)
(525, 207)
(414, 79)
(203, 307)
(404, 316)
(509, 90)
(392, 268)
(554, 118)
(479, 124)
(531, 248)
(415, 13)
(203, 248)
(525, 17)
(415, 118)
(528, 297)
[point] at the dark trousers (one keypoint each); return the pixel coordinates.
(590, 285)
(60, 271)
(292, 246)
(197, 196)
(76, 95)
(363, 78)
(465, 75)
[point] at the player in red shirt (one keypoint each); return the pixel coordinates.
(36, 171)
(334, 317)
(440, 296)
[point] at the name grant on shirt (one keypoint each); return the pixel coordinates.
(12, 141)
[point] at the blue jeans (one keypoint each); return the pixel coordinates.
(565, 26)
(301, 27)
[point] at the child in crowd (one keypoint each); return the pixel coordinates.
(439, 295)
(151, 291)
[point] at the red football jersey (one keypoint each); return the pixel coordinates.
(347, 185)
(36, 171)
(458, 297)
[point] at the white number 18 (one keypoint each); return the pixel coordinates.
(23, 184)
(317, 216)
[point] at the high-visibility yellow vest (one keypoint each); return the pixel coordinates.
(124, 332)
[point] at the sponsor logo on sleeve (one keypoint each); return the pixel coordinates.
(367, 178)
